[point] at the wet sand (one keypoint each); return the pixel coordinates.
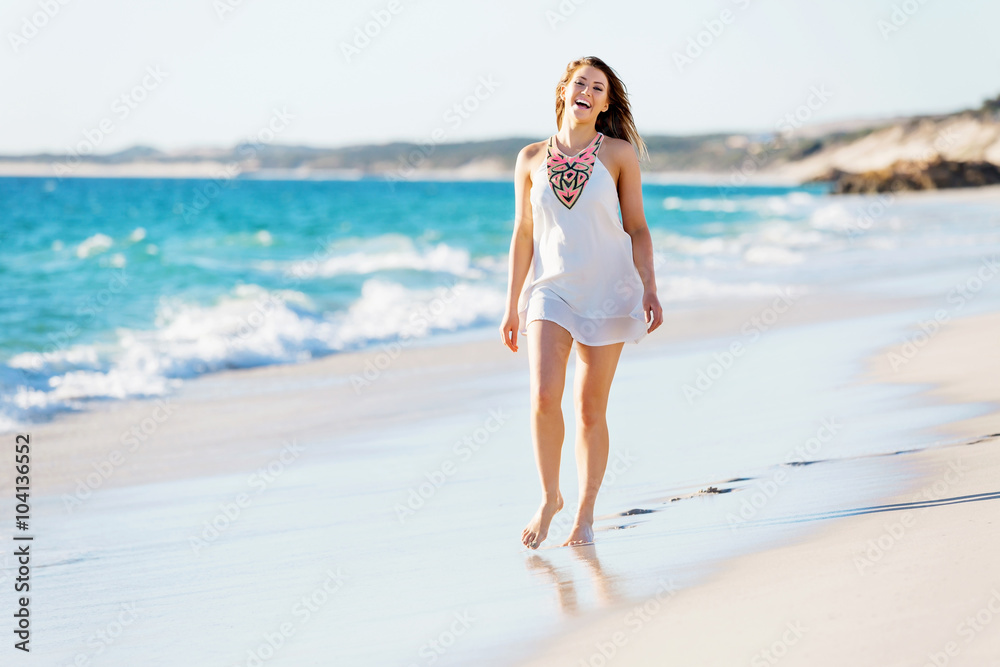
(910, 580)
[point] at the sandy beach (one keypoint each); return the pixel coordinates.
(910, 580)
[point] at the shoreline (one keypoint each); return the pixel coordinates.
(360, 386)
(901, 578)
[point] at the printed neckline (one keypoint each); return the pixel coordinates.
(552, 141)
(567, 175)
(541, 167)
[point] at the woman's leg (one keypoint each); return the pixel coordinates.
(595, 369)
(548, 353)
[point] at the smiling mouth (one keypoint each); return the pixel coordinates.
(582, 104)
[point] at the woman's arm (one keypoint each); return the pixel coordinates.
(634, 223)
(521, 245)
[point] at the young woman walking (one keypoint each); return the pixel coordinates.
(578, 272)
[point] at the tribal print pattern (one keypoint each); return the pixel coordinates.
(568, 175)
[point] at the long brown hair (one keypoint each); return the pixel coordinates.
(617, 121)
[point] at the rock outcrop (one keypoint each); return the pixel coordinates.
(963, 141)
(934, 174)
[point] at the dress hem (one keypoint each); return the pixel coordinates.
(632, 341)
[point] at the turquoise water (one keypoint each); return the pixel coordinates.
(116, 288)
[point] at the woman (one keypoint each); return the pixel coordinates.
(579, 273)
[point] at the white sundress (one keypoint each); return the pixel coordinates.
(582, 275)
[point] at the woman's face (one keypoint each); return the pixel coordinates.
(586, 93)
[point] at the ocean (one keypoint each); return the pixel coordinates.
(121, 288)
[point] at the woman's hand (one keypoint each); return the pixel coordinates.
(652, 310)
(508, 328)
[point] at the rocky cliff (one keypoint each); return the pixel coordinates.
(952, 150)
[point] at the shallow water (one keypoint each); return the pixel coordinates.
(320, 560)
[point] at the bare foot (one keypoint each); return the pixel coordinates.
(582, 533)
(538, 527)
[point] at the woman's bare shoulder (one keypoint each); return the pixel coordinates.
(533, 149)
(531, 156)
(618, 148)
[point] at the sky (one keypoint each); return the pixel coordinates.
(188, 74)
